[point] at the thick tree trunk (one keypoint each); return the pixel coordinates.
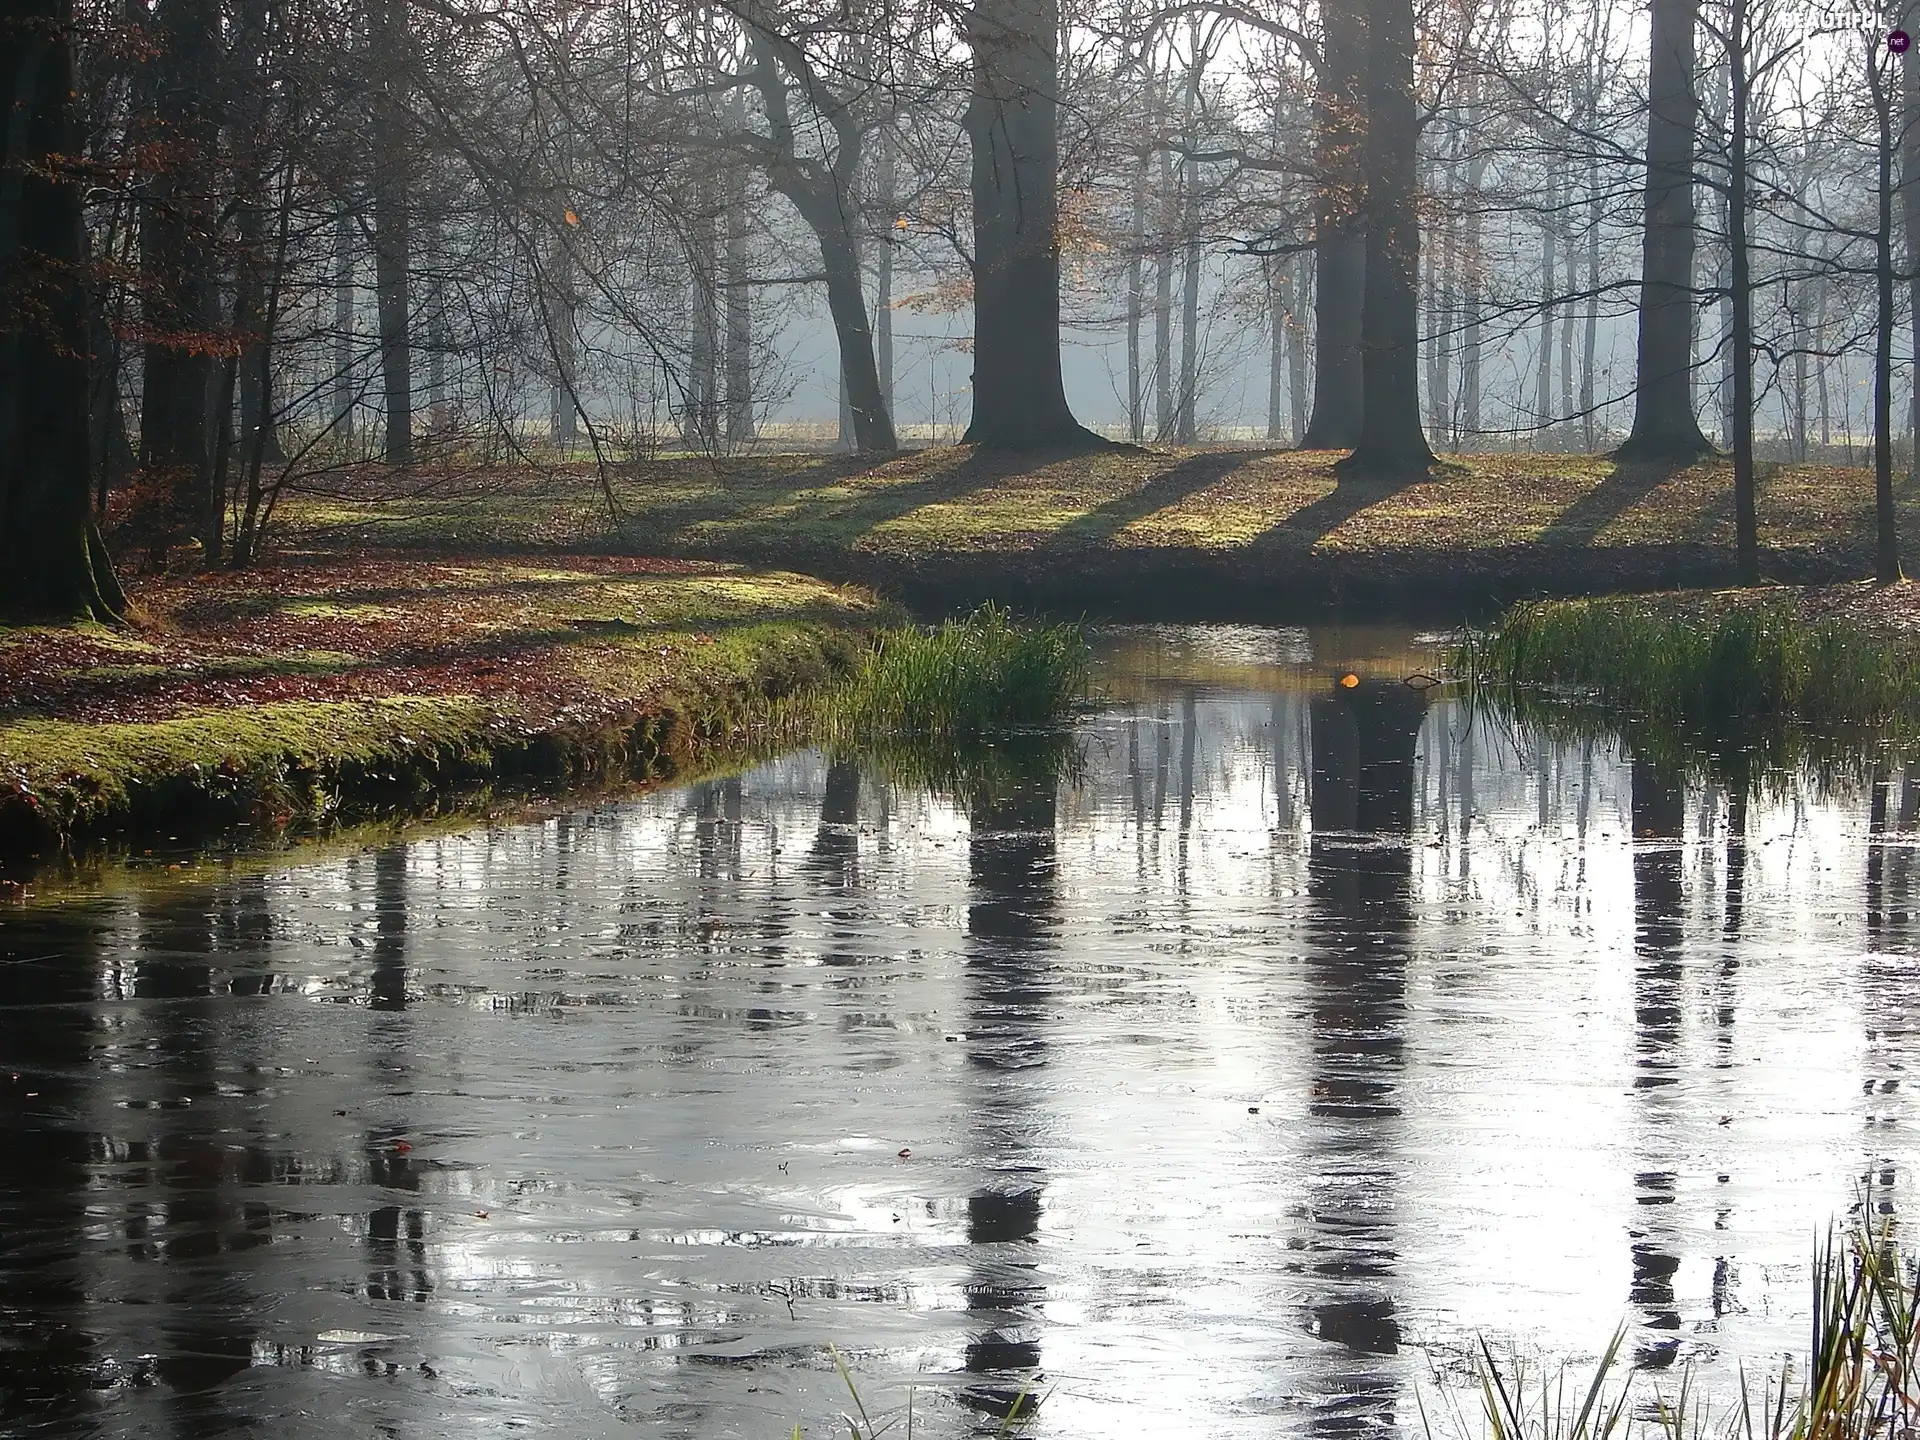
(1019, 397)
(1664, 425)
(1340, 216)
(52, 565)
(178, 276)
(1391, 440)
(392, 240)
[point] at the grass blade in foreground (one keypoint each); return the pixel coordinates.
(1858, 1381)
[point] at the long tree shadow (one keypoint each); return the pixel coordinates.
(1316, 520)
(835, 524)
(1172, 485)
(1581, 522)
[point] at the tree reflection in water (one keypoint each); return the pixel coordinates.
(1659, 823)
(1359, 883)
(1012, 921)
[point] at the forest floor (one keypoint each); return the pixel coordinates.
(1163, 534)
(321, 687)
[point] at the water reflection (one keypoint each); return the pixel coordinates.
(1360, 928)
(1012, 918)
(1303, 1033)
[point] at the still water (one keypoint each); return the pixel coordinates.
(1229, 1090)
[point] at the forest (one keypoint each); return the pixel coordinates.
(292, 238)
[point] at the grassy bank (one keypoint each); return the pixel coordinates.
(1162, 534)
(320, 690)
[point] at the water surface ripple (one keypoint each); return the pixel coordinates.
(1228, 1092)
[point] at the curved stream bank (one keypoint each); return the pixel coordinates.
(1231, 1090)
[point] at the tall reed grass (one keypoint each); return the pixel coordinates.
(1736, 689)
(1708, 663)
(984, 675)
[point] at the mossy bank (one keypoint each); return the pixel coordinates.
(319, 690)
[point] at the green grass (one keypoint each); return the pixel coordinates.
(963, 680)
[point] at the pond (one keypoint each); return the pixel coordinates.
(1230, 1087)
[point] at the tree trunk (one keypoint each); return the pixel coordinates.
(1439, 328)
(1297, 346)
(827, 199)
(1910, 206)
(1740, 415)
(702, 425)
(1664, 425)
(439, 412)
(52, 564)
(343, 341)
(1472, 286)
(739, 342)
(1886, 550)
(887, 181)
(1543, 389)
(178, 275)
(1275, 269)
(1820, 370)
(1187, 430)
(563, 337)
(859, 374)
(110, 452)
(1019, 398)
(392, 245)
(1340, 217)
(1136, 301)
(1163, 304)
(1391, 440)
(256, 399)
(1590, 342)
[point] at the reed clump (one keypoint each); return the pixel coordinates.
(1712, 663)
(984, 675)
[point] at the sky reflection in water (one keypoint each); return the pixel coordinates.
(1240, 1086)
